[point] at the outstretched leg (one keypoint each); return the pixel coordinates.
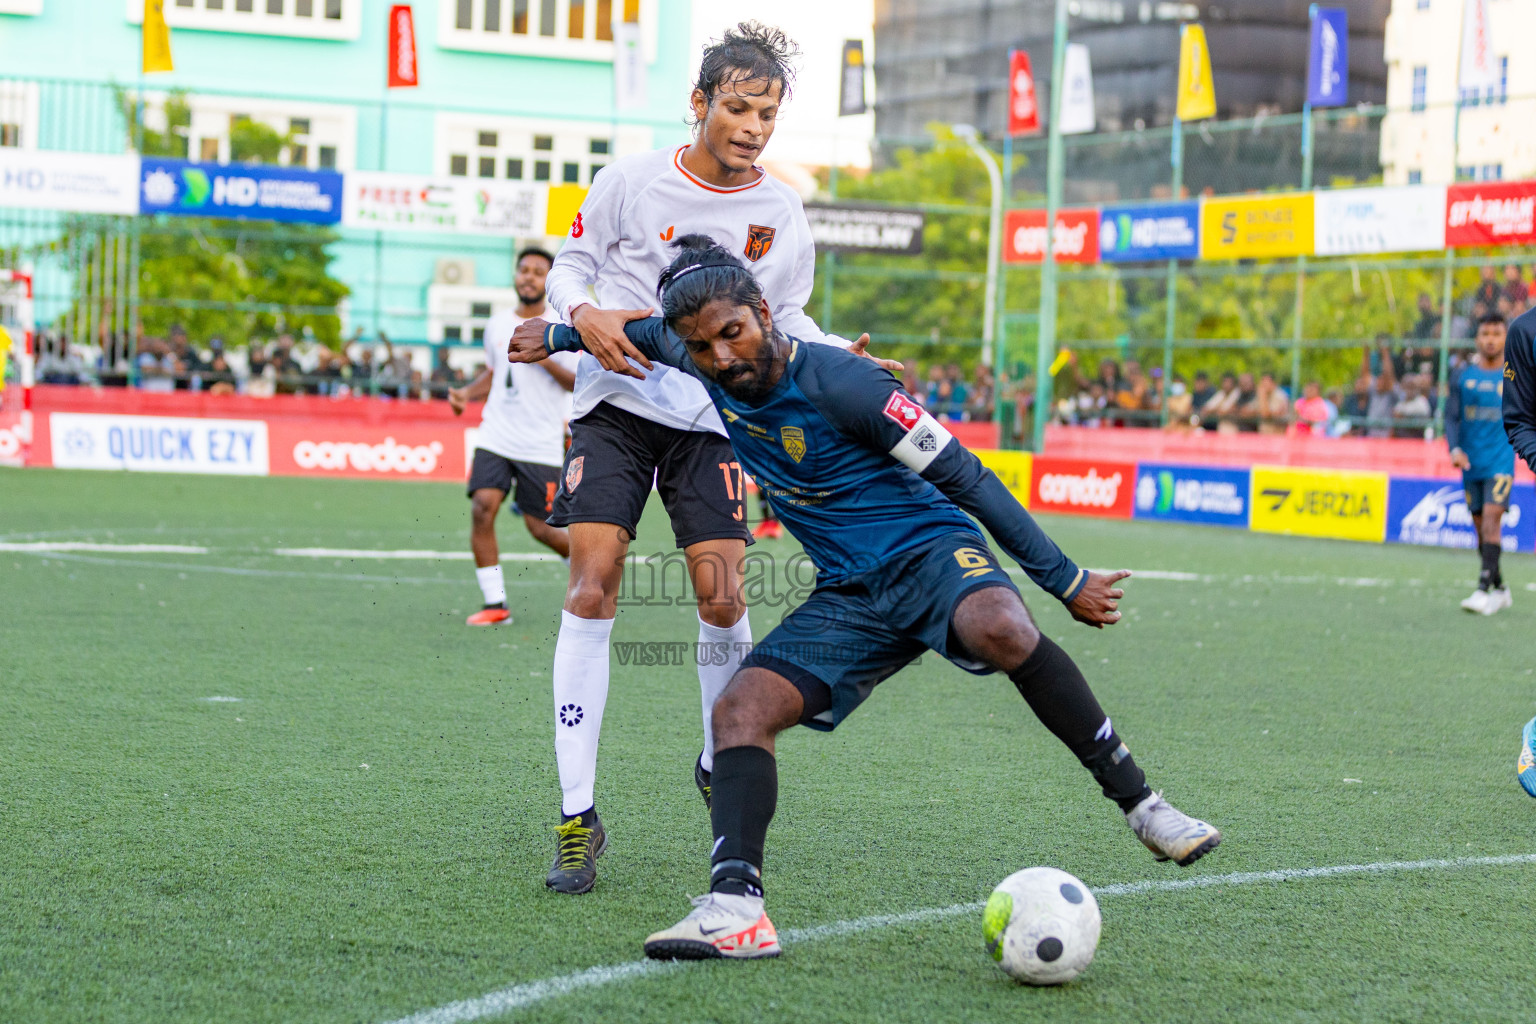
(994, 626)
(725, 633)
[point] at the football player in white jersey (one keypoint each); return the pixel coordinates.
(522, 438)
(643, 421)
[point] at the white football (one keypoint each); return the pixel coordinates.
(1042, 926)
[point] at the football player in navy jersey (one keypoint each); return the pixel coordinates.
(1474, 432)
(882, 497)
(1520, 427)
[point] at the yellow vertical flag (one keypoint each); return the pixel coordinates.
(1197, 96)
(157, 38)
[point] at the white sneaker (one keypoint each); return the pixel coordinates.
(721, 925)
(1497, 599)
(1170, 833)
(1478, 602)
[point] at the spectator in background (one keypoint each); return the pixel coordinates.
(931, 392)
(1489, 288)
(60, 364)
(983, 392)
(157, 366)
(1181, 404)
(1413, 405)
(1132, 393)
(960, 394)
(1269, 408)
(1428, 325)
(189, 361)
(362, 372)
(1220, 410)
(444, 376)
(218, 378)
(1515, 289)
(1314, 413)
(1385, 393)
(1356, 406)
(1201, 393)
(1091, 404)
(290, 375)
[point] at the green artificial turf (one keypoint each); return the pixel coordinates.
(364, 833)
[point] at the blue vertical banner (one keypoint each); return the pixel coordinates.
(1328, 58)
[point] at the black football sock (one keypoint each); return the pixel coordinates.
(744, 791)
(1059, 696)
(1490, 578)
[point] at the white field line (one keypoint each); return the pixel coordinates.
(518, 997)
(380, 579)
(410, 555)
(50, 546)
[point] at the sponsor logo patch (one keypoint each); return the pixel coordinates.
(573, 474)
(903, 410)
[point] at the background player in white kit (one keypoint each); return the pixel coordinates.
(631, 425)
(522, 438)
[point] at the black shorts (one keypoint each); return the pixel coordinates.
(1487, 490)
(613, 458)
(536, 484)
(849, 637)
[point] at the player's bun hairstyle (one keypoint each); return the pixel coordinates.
(534, 250)
(701, 272)
(750, 52)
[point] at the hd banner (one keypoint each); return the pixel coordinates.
(1434, 512)
(865, 229)
(1151, 231)
(1343, 504)
(380, 201)
(40, 179)
(1210, 495)
(239, 191)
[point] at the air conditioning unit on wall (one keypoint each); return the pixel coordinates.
(454, 271)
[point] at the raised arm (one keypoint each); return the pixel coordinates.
(1453, 422)
(868, 405)
(1520, 389)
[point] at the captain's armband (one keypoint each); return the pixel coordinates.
(925, 436)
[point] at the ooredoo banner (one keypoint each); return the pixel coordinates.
(1342, 504)
(158, 444)
(394, 452)
(1210, 495)
(1076, 239)
(1434, 512)
(1082, 487)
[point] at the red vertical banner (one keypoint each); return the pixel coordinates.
(1023, 110)
(402, 48)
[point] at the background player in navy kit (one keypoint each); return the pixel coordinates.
(1474, 431)
(521, 443)
(1520, 426)
(877, 491)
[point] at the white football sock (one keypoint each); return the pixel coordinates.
(581, 691)
(492, 585)
(719, 656)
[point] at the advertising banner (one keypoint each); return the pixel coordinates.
(239, 191)
(1077, 91)
(380, 201)
(1408, 218)
(1192, 494)
(1149, 231)
(1012, 468)
(1023, 110)
(1076, 240)
(850, 99)
(1328, 57)
(402, 49)
(1256, 226)
(40, 179)
(1342, 504)
(1491, 213)
(158, 444)
(1082, 487)
(1434, 512)
(403, 451)
(857, 229)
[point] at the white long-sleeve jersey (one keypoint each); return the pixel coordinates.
(620, 240)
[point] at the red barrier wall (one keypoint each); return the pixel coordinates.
(1408, 458)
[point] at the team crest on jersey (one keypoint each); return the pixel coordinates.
(793, 439)
(759, 241)
(573, 474)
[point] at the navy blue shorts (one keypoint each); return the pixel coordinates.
(1489, 490)
(847, 638)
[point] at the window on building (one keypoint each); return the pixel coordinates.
(478, 334)
(598, 147)
(1493, 172)
(487, 167)
(315, 134)
(298, 126)
(527, 149)
(458, 165)
(544, 143)
(328, 19)
(1466, 173)
(453, 332)
(1420, 87)
(1503, 94)
(1423, 5)
(298, 155)
(327, 158)
(571, 173)
(10, 135)
(575, 29)
(208, 151)
(541, 170)
(480, 309)
(514, 170)
(486, 140)
(1415, 177)
(595, 169)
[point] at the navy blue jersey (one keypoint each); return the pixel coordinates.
(854, 467)
(1520, 386)
(1474, 422)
